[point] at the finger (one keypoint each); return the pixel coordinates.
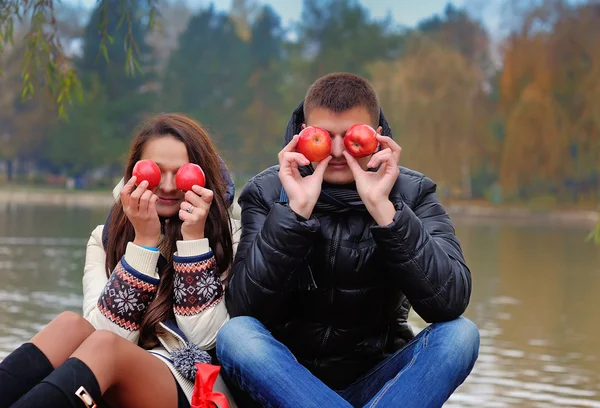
(145, 201)
(388, 166)
(290, 147)
(126, 190)
(196, 200)
(294, 172)
(196, 214)
(185, 205)
(322, 166)
(379, 158)
(203, 193)
(293, 157)
(185, 216)
(352, 163)
(388, 142)
(152, 205)
(137, 194)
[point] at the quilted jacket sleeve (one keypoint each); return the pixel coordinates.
(272, 246)
(421, 245)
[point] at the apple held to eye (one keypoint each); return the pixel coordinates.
(314, 143)
(149, 171)
(360, 140)
(188, 175)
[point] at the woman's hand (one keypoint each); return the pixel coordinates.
(194, 211)
(139, 207)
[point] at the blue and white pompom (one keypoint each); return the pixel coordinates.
(185, 359)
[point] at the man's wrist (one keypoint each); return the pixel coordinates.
(383, 212)
(302, 209)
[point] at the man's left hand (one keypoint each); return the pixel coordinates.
(374, 187)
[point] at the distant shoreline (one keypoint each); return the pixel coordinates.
(475, 212)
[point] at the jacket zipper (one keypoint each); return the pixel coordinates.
(332, 254)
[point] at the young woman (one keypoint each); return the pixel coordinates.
(153, 289)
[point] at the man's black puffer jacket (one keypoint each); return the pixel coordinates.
(337, 288)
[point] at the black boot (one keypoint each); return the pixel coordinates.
(72, 385)
(20, 371)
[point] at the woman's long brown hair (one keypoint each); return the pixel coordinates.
(201, 151)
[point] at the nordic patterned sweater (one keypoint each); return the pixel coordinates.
(118, 303)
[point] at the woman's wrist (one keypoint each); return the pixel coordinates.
(192, 237)
(146, 241)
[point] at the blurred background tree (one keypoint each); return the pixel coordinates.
(501, 120)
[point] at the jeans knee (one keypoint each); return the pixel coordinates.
(462, 340)
(465, 339)
(238, 339)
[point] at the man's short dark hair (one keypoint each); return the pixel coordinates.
(342, 91)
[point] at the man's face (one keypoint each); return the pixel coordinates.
(337, 124)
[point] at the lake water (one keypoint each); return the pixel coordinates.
(535, 299)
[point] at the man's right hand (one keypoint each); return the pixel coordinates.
(303, 192)
(139, 207)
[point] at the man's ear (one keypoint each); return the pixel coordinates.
(303, 126)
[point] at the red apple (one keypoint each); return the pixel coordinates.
(188, 175)
(360, 140)
(149, 171)
(314, 143)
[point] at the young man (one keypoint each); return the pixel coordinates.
(330, 262)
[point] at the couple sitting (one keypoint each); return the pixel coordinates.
(303, 303)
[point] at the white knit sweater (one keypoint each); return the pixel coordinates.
(118, 303)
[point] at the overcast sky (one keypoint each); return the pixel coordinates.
(405, 12)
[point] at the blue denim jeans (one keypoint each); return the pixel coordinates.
(422, 374)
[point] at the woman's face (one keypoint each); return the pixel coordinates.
(169, 154)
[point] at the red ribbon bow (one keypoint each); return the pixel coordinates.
(204, 396)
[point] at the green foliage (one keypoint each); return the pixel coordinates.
(342, 37)
(594, 235)
(45, 62)
(528, 128)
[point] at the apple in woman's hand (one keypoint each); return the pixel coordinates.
(188, 175)
(314, 143)
(149, 171)
(360, 140)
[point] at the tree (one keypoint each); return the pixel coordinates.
(45, 61)
(458, 30)
(173, 20)
(208, 76)
(432, 91)
(551, 76)
(265, 115)
(101, 122)
(339, 35)
(111, 72)
(22, 123)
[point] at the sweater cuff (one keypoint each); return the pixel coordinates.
(193, 247)
(142, 260)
